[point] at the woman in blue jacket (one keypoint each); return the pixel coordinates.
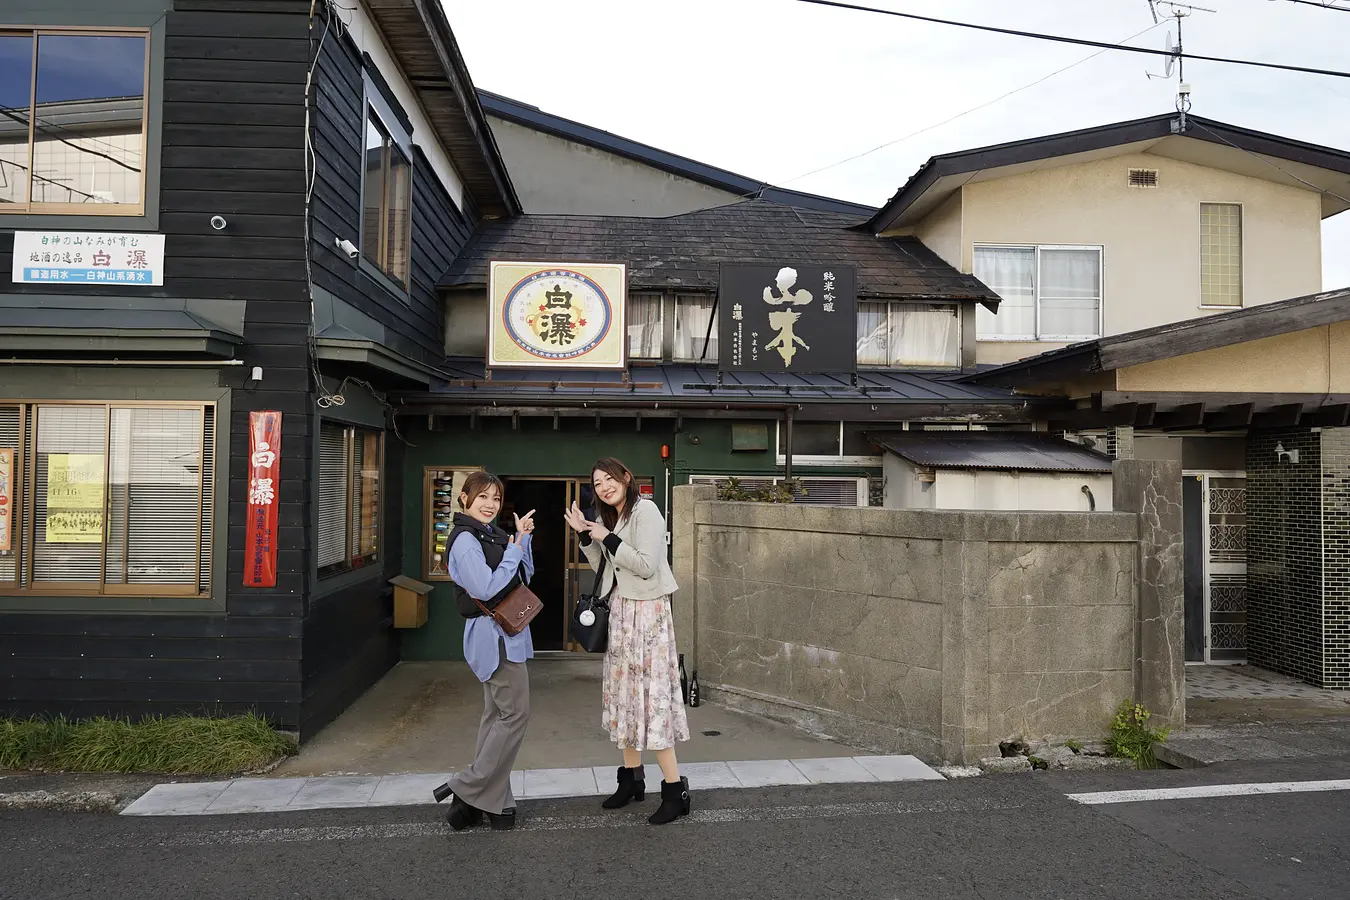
(486, 564)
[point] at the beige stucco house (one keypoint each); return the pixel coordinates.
(1129, 226)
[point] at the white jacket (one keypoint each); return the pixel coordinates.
(640, 564)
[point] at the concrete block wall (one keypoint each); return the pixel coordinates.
(938, 633)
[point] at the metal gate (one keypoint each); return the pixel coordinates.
(1225, 504)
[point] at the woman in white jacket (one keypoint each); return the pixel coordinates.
(643, 704)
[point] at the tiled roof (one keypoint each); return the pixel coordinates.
(685, 251)
(1027, 452)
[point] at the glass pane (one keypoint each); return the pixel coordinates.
(925, 335)
(1220, 254)
(373, 198)
(69, 498)
(16, 93)
(873, 334)
(88, 143)
(1071, 292)
(366, 496)
(693, 312)
(810, 439)
(154, 496)
(9, 493)
(399, 245)
(644, 326)
(1011, 273)
(332, 537)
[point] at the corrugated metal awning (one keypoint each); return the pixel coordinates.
(1008, 451)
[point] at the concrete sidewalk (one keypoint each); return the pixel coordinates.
(1256, 742)
(423, 717)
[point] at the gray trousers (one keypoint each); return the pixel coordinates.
(486, 784)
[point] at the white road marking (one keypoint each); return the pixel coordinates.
(1211, 790)
(437, 829)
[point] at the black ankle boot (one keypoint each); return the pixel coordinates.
(504, 820)
(632, 786)
(461, 815)
(674, 802)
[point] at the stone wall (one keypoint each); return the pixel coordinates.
(931, 632)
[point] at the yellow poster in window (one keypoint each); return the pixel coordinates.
(74, 498)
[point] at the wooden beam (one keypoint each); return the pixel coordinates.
(1189, 415)
(1239, 415)
(1284, 416)
(1335, 416)
(1146, 414)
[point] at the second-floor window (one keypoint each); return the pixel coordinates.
(1048, 292)
(1220, 254)
(386, 220)
(909, 334)
(695, 325)
(645, 324)
(72, 122)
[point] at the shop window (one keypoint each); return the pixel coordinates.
(695, 327)
(350, 463)
(909, 334)
(72, 137)
(645, 325)
(107, 499)
(1221, 254)
(828, 444)
(1048, 293)
(386, 222)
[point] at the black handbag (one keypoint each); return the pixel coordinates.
(593, 637)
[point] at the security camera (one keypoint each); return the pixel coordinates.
(218, 223)
(347, 247)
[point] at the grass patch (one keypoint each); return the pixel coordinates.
(164, 745)
(1132, 738)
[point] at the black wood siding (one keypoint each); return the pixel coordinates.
(233, 140)
(413, 324)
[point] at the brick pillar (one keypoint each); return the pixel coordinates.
(1336, 557)
(1152, 490)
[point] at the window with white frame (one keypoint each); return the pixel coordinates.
(828, 443)
(350, 462)
(909, 334)
(1220, 254)
(107, 499)
(695, 325)
(1047, 292)
(645, 324)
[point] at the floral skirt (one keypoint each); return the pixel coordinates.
(644, 709)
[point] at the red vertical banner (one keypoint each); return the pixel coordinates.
(7, 517)
(264, 467)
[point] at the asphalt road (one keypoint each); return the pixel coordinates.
(1010, 837)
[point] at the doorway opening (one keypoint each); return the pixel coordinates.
(1214, 513)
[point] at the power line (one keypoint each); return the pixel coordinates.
(1308, 184)
(1327, 5)
(1080, 41)
(963, 114)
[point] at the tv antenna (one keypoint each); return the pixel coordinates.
(1175, 60)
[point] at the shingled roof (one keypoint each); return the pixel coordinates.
(685, 251)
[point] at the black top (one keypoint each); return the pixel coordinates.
(494, 542)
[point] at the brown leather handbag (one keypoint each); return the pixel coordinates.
(515, 611)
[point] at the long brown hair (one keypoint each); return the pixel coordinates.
(476, 483)
(609, 516)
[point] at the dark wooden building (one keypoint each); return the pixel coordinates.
(311, 173)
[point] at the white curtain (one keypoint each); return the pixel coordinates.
(1011, 273)
(873, 334)
(1071, 292)
(644, 326)
(925, 335)
(692, 315)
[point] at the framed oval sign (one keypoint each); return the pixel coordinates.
(557, 315)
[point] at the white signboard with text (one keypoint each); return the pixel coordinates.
(78, 257)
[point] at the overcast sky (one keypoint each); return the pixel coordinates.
(773, 89)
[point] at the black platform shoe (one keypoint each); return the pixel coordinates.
(674, 802)
(632, 786)
(503, 821)
(461, 815)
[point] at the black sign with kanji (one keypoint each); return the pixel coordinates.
(788, 317)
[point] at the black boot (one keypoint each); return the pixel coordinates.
(674, 802)
(504, 820)
(632, 786)
(461, 815)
